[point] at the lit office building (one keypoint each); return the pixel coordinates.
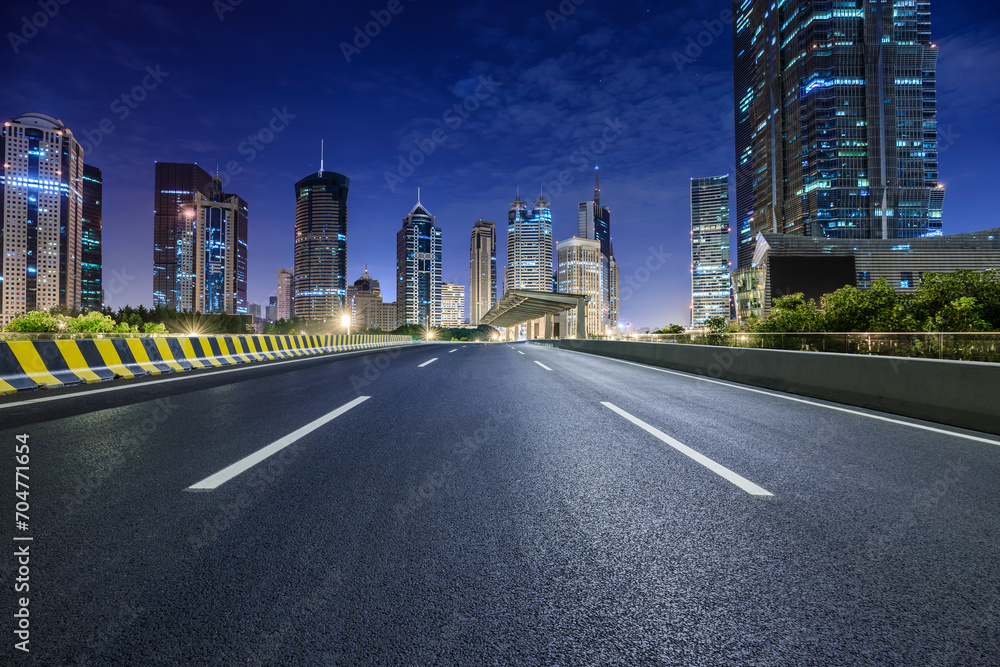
(363, 298)
(482, 270)
(91, 286)
(320, 274)
(580, 269)
(594, 222)
(283, 301)
(41, 184)
(384, 317)
(452, 305)
(710, 285)
(529, 247)
(784, 264)
(219, 233)
(836, 122)
(418, 269)
(175, 189)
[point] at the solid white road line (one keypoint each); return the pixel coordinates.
(226, 474)
(542, 365)
(455, 350)
(188, 376)
(427, 362)
(718, 469)
(734, 385)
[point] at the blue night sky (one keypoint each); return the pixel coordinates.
(599, 88)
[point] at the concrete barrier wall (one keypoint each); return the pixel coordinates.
(959, 393)
(32, 364)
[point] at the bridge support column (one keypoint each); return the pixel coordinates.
(581, 318)
(548, 327)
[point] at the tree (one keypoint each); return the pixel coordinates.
(938, 291)
(35, 321)
(93, 322)
(878, 308)
(716, 325)
(671, 329)
(962, 314)
(792, 314)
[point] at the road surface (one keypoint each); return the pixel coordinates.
(469, 504)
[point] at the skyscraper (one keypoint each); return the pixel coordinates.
(710, 287)
(285, 303)
(452, 305)
(581, 270)
(529, 247)
(199, 242)
(836, 121)
(91, 286)
(220, 253)
(482, 270)
(363, 297)
(594, 222)
(320, 278)
(41, 184)
(418, 269)
(176, 187)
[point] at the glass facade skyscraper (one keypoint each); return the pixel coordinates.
(482, 270)
(41, 185)
(836, 121)
(320, 274)
(710, 287)
(529, 247)
(199, 242)
(91, 286)
(220, 250)
(418, 269)
(594, 222)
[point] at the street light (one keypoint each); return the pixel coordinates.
(345, 321)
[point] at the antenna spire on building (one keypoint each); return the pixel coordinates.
(321, 151)
(597, 190)
(418, 194)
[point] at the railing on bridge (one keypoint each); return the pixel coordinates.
(933, 345)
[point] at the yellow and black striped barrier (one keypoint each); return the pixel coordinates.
(31, 364)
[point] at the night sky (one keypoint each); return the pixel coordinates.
(601, 87)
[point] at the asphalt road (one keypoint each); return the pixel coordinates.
(499, 505)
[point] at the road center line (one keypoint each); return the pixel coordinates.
(736, 385)
(541, 364)
(519, 352)
(226, 474)
(718, 469)
(455, 350)
(427, 362)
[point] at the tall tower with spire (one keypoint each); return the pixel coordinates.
(418, 268)
(594, 222)
(320, 276)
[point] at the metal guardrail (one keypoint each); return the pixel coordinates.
(925, 345)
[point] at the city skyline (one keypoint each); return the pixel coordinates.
(644, 92)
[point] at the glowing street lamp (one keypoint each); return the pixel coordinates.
(345, 321)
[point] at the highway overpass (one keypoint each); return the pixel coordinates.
(494, 504)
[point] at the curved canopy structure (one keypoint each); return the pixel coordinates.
(521, 305)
